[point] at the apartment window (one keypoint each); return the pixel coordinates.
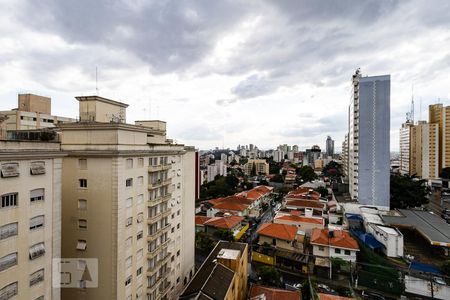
(37, 250)
(152, 211)
(129, 222)
(337, 251)
(37, 168)
(140, 217)
(37, 222)
(82, 183)
(140, 180)
(129, 241)
(37, 195)
(82, 204)
(81, 245)
(178, 226)
(173, 229)
(178, 253)
(140, 235)
(178, 280)
(8, 230)
(8, 261)
(321, 248)
(140, 162)
(347, 252)
(139, 271)
(140, 199)
(129, 182)
(82, 164)
(40, 298)
(173, 215)
(9, 291)
(129, 202)
(178, 212)
(82, 223)
(128, 280)
(10, 170)
(152, 280)
(129, 163)
(37, 277)
(139, 254)
(153, 161)
(128, 262)
(9, 200)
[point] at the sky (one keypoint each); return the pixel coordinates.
(223, 73)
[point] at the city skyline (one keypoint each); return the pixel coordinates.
(209, 81)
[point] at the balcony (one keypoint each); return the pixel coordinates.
(158, 168)
(152, 219)
(164, 288)
(151, 287)
(167, 212)
(159, 183)
(164, 273)
(160, 199)
(165, 243)
(152, 236)
(154, 252)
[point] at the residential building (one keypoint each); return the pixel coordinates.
(260, 292)
(218, 168)
(369, 140)
(278, 155)
(223, 275)
(319, 164)
(233, 205)
(259, 165)
(30, 217)
(200, 223)
(344, 156)
(33, 112)
(305, 224)
(230, 223)
(334, 244)
(436, 116)
(390, 237)
(129, 201)
(329, 147)
(444, 135)
(405, 147)
(312, 155)
(425, 150)
(281, 236)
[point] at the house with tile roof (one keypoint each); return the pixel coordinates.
(230, 223)
(303, 223)
(199, 223)
(281, 236)
(309, 208)
(260, 292)
(334, 244)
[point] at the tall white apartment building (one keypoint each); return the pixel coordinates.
(218, 168)
(405, 147)
(344, 156)
(129, 195)
(30, 217)
(369, 140)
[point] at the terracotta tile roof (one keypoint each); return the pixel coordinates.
(300, 219)
(303, 196)
(279, 231)
(256, 192)
(230, 206)
(224, 222)
(305, 203)
(200, 220)
(340, 239)
(323, 296)
(273, 294)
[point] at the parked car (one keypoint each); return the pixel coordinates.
(372, 296)
(439, 280)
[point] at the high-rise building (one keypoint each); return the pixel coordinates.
(129, 195)
(344, 156)
(30, 215)
(369, 140)
(424, 160)
(445, 138)
(329, 147)
(405, 147)
(436, 116)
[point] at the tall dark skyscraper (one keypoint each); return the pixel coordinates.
(329, 146)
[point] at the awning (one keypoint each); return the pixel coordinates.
(421, 267)
(241, 232)
(368, 239)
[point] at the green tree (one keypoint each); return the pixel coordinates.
(253, 172)
(203, 242)
(332, 169)
(445, 173)
(323, 191)
(243, 161)
(277, 178)
(408, 191)
(224, 234)
(306, 173)
(445, 267)
(269, 276)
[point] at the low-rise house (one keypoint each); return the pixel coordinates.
(303, 193)
(308, 207)
(260, 292)
(230, 223)
(390, 237)
(305, 224)
(334, 244)
(199, 223)
(234, 205)
(281, 236)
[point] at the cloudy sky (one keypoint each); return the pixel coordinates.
(227, 72)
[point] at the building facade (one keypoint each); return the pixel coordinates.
(369, 140)
(329, 147)
(405, 147)
(261, 166)
(129, 196)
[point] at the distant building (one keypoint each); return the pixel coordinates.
(311, 155)
(259, 292)
(405, 147)
(334, 244)
(281, 236)
(261, 166)
(344, 156)
(329, 147)
(218, 168)
(222, 276)
(424, 161)
(369, 140)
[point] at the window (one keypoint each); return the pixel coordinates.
(81, 264)
(37, 277)
(139, 271)
(128, 280)
(140, 217)
(178, 226)
(172, 230)
(139, 254)
(37, 250)
(82, 164)
(9, 291)
(8, 261)
(37, 195)
(129, 182)
(37, 168)
(140, 162)
(82, 183)
(140, 199)
(140, 180)
(37, 222)
(178, 253)
(129, 222)
(9, 200)
(129, 163)
(178, 212)
(337, 251)
(128, 262)
(40, 298)
(347, 252)
(140, 235)
(321, 248)
(82, 204)
(10, 170)
(8, 230)
(129, 202)
(81, 245)
(82, 223)
(129, 242)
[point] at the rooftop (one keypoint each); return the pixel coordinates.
(300, 219)
(257, 291)
(101, 99)
(323, 296)
(305, 203)
(227, 222)
(337, 239)
(279, 231)
(200, 220)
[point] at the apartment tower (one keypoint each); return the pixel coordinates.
(424, 160)
(369, 140)
(405, 147)
(329, 147)
(129, 196)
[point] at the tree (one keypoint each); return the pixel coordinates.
(332, 169)
(277, 178)
(243, 161)
(233, 162)
(306, 173)
(269, 276)
(445, 267)
(224, 234)
(203, 242)
(263, 182)
(445, 173)
(253, 172)
(323, 191)
(408, 191)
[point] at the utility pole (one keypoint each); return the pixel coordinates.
(431, 285)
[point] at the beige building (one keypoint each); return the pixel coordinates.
(30, 218)
(436, 116)
(261, 166)
(405, 147)
(425, 150)
(33, 112)
(129, 201)
(344, 156)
